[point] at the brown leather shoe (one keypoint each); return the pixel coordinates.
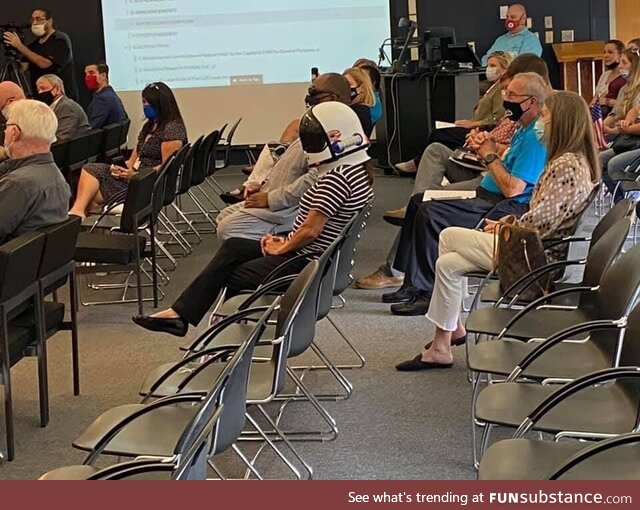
(378, 280)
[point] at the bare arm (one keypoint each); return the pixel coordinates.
(509, 185)
(167, 149)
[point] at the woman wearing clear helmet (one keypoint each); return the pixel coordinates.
(332, 137)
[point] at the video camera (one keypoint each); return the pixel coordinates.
(10, 52)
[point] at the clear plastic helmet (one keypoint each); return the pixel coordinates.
(332, 133)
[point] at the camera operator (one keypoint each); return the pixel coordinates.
(50, 53)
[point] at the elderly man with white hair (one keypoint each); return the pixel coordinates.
(72, 120)
(9, 92)
(518, 39)
(33, 193)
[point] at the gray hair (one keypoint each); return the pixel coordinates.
(534, 85)
(35, 120)
(54, 80)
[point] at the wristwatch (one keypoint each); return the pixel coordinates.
(490, 158)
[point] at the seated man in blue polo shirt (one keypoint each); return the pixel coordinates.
(505, 189)
(106, 107)
(518, 39)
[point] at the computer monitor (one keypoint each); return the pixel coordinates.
(436, 42)
(463, 54)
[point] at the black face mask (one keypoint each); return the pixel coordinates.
(46, 97)
(612, 66)
(514, 110)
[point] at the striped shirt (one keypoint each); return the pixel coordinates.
(338, 195)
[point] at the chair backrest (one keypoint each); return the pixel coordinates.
(60, 151)
(211, 153)
(124, 132)
(138, 202)
(293, 300)
(223, 129)
(94, 144)
(187, 167)
(228, 392)
(60, 245)
(345, 261)
(111, 138)
(630, 354)
(618, 287)
(224, 162)
(200, 168)
(173, 173)
(619, 211)
(604, 252)
(159, 187)
(19, 263)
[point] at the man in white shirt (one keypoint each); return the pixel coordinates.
(518, 39)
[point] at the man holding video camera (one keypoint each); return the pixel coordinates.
(50, 53)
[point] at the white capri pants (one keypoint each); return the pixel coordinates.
(461, 250)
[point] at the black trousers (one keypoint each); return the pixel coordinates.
(418, 249)
(452, 138)
(238, 265)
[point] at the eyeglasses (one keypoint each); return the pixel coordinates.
(508, 95)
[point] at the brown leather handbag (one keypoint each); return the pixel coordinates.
(517, 252)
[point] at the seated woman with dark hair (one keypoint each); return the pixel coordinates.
(559, 199)
(333, 140)
(162, 135)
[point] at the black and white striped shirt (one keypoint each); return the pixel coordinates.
(339, 194)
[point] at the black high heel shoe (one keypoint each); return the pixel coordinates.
(175, 327)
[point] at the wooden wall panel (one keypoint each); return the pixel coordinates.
(627, 19)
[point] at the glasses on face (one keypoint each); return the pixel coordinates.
(510, 95)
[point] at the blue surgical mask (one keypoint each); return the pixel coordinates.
(150, 112)
(540, 129)
(624, 73)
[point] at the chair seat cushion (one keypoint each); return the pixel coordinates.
(525, 459)
(563, 361)
(153, 434)
(19, 341)
(104, 248)
(53, 313)
(230, 306)
(602, 409)
(493, 292)
(70, 473)
(535, 324)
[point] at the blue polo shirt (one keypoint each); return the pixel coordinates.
(525, 160)
(524, 41)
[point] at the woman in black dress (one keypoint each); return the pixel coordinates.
(162, 135)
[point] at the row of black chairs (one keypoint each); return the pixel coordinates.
(218, 376)
(33, 267)
(565, 367)
(104, 145)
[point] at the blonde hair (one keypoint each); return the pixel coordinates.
(362, 79)
(632, 89)
(54, 81)
(35, 120)
(572, 130)
(504, 58)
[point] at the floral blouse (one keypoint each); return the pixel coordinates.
(559, 199)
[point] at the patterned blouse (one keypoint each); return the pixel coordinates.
(558, 200)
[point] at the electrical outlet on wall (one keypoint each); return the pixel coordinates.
(567, 36)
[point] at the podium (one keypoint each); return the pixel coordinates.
(581, 66)
(413, 103)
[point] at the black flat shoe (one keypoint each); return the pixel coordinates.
(393, 220)
(175, 327)
(416, 364)
(456, 343)
(418, 306)
(232, 197)
(402, 295)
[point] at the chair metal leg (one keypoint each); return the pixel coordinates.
(187, 222)
(43, 377)
(75, 356)
(250, 467)
(474, 423)
(6, 381)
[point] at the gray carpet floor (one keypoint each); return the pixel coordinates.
(395, 425)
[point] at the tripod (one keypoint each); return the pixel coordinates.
(12, 71)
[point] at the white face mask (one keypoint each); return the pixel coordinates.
(38, 30)
(541, 130)
(624, 73)
(492, 74)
